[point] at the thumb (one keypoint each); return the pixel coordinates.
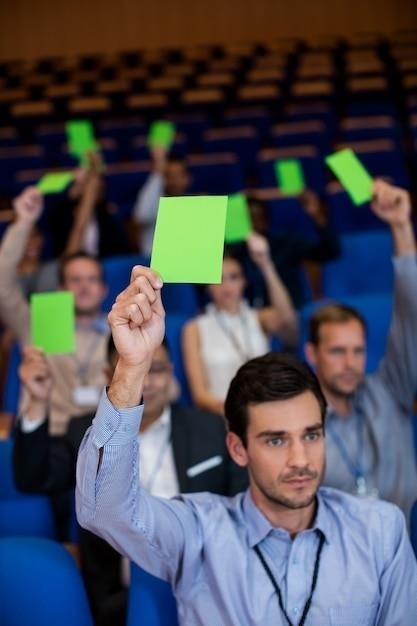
(157, 306)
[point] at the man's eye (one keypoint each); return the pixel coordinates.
(276, 441)
(312, 436)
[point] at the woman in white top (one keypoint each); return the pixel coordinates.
(229, 333)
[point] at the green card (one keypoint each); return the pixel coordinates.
(54, 182)
(238, 221)
(356, 180)
(161, 134)
(189, 239)
(52, 321)
(80, 138)
(290, 176)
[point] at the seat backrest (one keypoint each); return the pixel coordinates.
(345, 217)
(117, 272)
(365, 266)
(11, 389)
(40, 585)
(174, 323)
(27, 516)
(21, 513)
(151, 600)
(216, 173)
(7, 485)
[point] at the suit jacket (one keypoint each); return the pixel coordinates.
(47, 464)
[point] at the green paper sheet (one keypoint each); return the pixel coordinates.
(81, 139)
(189, 239)
(238, 221)
(290, 176)
(161, 134)
(54, 182)
(52, 321)
(355, 179)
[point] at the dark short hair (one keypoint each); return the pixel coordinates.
(274, 376)
(332, 314)
(68, 258)
(234, 252)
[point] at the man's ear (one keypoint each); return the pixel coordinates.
(236, 449)
(310, 353)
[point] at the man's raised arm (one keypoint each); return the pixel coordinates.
(110, 501)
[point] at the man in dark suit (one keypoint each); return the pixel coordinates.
(184, 451)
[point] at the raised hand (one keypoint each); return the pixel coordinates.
(258, 249)
(35, 375)
(159, 158)
(28, 205)
(391, 204)
(137, 321)
(137, 318)
(313, 207)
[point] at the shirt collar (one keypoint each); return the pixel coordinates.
(163, 423)
(258, 527)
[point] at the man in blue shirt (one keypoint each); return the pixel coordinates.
(285, 552)
(369, 442)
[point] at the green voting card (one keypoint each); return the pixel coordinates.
(290, 176)
(81, 139)
(189, 239)
(52, 321)
(161, 134)
(238, 221)
(355, 179)
(54, 182)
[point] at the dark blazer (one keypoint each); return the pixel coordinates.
(43, 463)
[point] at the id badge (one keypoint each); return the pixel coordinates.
(86, 396)
(364, 491)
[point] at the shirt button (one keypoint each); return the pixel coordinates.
(296, 610)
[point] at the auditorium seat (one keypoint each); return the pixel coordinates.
(346, 217)
(151, 600)
(364, 266)
(242, 140)
(309, 157)
(302, 133)
(215, 174)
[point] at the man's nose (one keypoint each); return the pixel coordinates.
(297, 456)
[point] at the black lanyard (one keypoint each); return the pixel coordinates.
(313, 581)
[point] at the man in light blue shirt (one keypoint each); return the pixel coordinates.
(285, 552)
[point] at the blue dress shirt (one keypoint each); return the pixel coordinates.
(203, 544)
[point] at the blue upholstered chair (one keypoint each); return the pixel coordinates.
(151, 600)
(21, 514)
(364, 266)
(40, 585)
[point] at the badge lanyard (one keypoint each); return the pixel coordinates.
(313, 580)
(355, 468)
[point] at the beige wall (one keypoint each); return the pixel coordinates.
(33, 28)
